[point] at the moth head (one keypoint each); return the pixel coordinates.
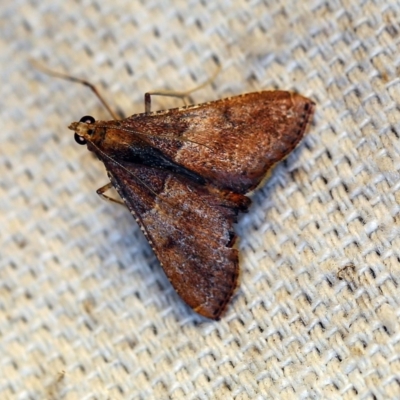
(83, 130)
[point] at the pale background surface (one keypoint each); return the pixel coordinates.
(85, 310)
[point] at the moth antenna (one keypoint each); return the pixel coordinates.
(182, 139)
(70, 78)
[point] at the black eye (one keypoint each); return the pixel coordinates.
(87, 119)
(79, 139)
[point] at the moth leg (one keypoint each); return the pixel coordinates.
(77, 80)
(184, 95)
(104, 189)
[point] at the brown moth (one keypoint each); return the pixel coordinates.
(183, 173)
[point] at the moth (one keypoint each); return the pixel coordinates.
(184, 174)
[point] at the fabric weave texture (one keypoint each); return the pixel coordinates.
(86, 311)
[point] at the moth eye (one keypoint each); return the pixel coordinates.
(79, 139)
(87, 119)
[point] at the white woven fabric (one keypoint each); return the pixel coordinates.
(86, 312)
